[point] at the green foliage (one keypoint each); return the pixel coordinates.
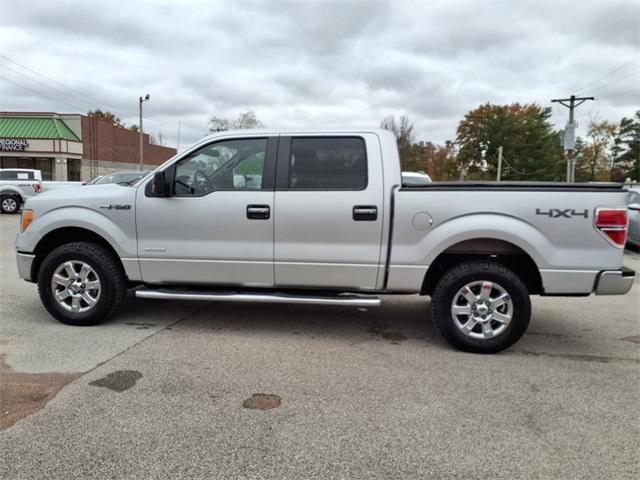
(626, 150)
(106, 115)
(531, 148)
(593, 155)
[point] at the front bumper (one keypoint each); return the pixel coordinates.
(25, 261)
(614, 282)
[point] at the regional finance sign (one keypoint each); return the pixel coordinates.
(13, 144)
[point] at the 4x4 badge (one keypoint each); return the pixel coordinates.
(568, 213)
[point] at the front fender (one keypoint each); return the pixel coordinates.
(119, 232)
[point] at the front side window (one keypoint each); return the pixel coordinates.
(227, 165)
(338, 163)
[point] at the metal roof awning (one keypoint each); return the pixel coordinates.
(33, 127)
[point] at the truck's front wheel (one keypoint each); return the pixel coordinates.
(481, 306)
(81, 283)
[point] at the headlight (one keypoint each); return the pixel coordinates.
(27, 218)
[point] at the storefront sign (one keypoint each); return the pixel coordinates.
(13, 144)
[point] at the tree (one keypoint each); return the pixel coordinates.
(403, 131)
(531, 148)
(106, 115)
(245, 120)
(626, 150)
(594, 155)
(134, 128)
(159, 139)
(444, 163)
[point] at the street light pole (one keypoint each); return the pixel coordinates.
(141, 135)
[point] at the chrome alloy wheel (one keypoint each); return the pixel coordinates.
(75, 286)
(482, 309)
(9, 204)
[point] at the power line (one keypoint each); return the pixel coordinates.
(636, 91)
(609, 73)
(57, 91)
(93, 99)
(615, 81)
(75, 107)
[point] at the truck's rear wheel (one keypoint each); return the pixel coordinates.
(481, 306)
(81, 283)
(9, 204)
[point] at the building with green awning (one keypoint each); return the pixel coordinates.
(72, 146)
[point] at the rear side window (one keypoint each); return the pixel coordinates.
(15, 175)
(328, 163)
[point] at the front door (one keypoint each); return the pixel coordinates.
(328, 223)
(217, 225)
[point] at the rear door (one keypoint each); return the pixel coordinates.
(328, 204)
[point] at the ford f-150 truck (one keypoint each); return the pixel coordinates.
(322, 217)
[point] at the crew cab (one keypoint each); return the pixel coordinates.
(322, 217)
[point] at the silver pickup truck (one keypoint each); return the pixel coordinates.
(322, 217)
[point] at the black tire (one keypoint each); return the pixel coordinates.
(10, 204)
(108, 269)
(478, 271)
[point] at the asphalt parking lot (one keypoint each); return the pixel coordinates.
(168, 390)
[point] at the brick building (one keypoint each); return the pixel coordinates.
(72, 146)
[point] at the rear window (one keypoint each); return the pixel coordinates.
(328, 163)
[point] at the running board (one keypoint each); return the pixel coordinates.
(221, 296)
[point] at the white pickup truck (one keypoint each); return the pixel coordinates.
(19, 184)
(16, 185)
(322, 217)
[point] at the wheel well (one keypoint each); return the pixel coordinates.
(500, 251)
(12, 194)
(62, 236)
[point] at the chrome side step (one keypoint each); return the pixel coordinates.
(257, 297)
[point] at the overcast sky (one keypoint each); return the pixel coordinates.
(317, 64)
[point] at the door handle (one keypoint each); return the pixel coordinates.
(365, 213)
(258, 212)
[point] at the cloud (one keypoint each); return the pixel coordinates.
(317, 64)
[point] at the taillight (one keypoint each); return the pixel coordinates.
(37, 187)
(612, 223)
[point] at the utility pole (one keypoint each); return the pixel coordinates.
(178, 149)
(569, 133)
(499, 163)
(146, 98)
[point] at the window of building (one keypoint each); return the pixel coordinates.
(337, 163)
(73, 169)
(45, 165)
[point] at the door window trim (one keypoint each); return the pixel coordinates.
(283, 164)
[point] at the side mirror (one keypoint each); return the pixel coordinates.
(634, 206)
(159, 186)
